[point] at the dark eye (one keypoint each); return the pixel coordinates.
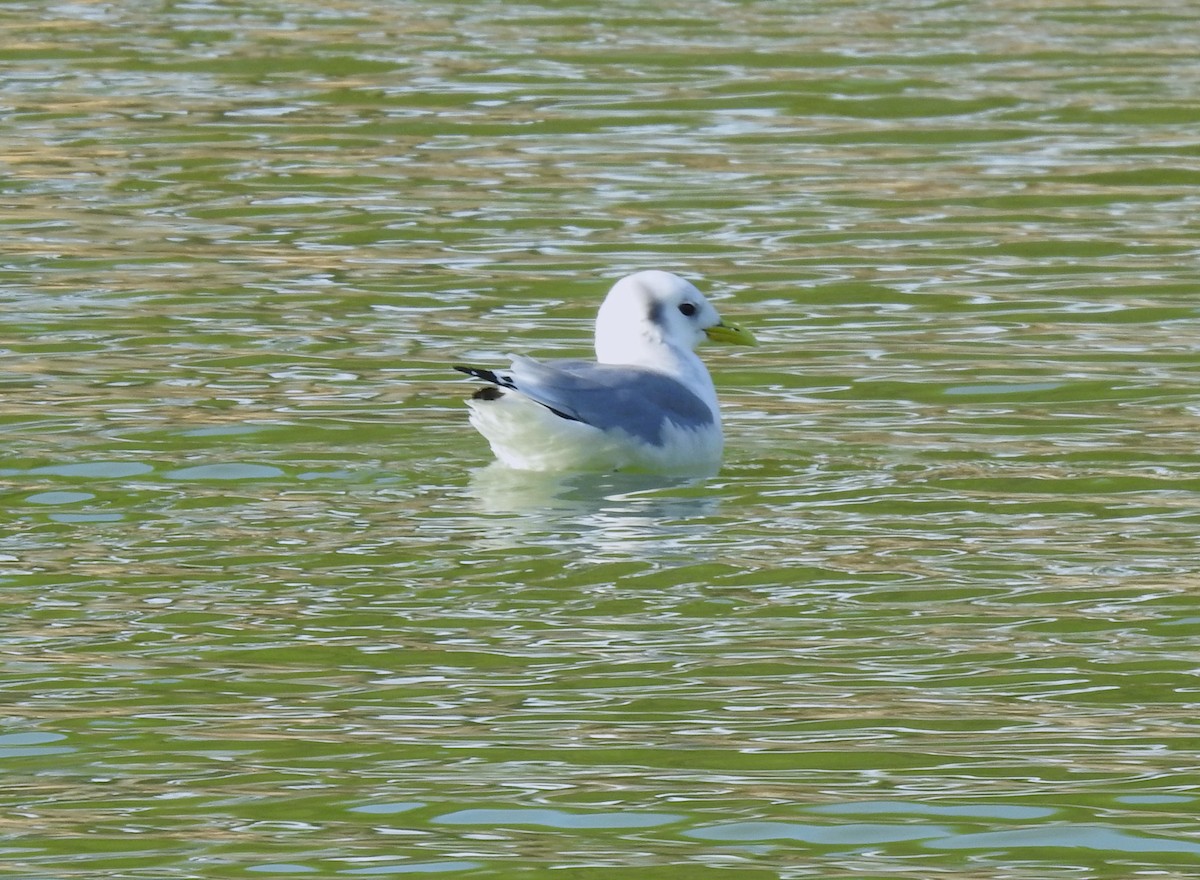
(687, 309)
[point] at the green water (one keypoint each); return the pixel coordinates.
(269, 612)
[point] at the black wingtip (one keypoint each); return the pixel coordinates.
(492, 392)
(479, 373)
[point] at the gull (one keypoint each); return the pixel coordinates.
(646, 404)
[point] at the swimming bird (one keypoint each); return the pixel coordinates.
(646, 403)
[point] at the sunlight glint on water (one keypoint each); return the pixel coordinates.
(269, 609)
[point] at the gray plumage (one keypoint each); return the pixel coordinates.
(646, 403)
(637, 400)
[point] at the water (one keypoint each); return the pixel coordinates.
(270, 612)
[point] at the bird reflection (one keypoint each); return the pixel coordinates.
(613, 514)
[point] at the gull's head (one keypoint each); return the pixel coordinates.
(650, 311)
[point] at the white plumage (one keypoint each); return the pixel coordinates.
(646, 403)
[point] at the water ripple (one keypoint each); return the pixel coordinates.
(268, 607)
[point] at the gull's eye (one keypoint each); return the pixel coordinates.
(687, 309)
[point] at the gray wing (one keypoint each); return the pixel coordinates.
(634, 399)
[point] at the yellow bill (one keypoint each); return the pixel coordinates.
(731, 334)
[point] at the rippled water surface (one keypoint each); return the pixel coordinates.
(268, 611)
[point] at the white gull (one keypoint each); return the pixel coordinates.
(647, 403)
